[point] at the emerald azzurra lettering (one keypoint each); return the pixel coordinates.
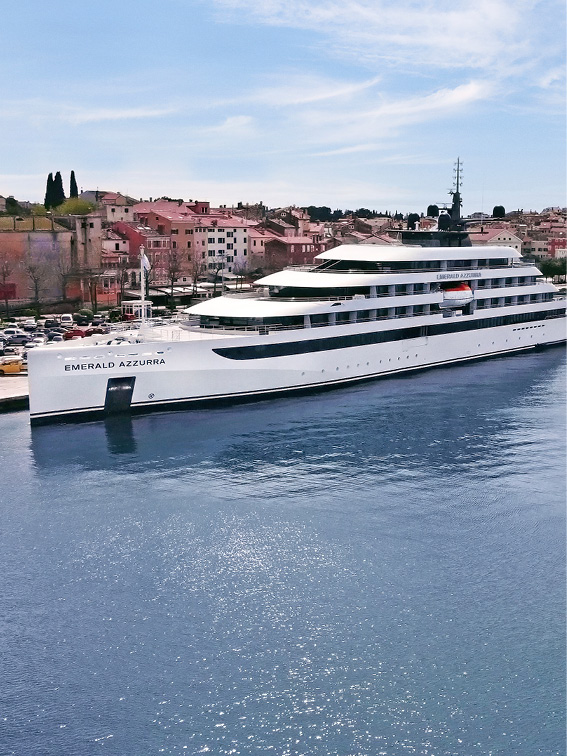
(110, 365)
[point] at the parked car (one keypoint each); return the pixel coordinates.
(95, 330)
(36, 341)
(73, 333)
(66, 320)
(29, 324)
(14, 331)
(57, 337)
(11, 365)
(51, 323)
(18, 340)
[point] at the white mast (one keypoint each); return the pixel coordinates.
(143, 284)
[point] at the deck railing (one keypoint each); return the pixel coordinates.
(387, 269)
(315, 298)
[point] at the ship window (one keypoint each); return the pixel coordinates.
(498, 262)
(362, 339)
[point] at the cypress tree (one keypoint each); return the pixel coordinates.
(58, 191)
(73, 191)
(48, 201)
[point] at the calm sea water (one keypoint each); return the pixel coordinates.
(374, 571)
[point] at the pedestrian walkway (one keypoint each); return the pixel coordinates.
(14, 392)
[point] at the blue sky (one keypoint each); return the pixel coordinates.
(345, 103)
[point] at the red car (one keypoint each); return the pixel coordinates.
(96, 330)
(73, 333)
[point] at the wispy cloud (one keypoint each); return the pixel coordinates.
(357, 130)
(87, 115)
(233, 126)
(477, 34)
(293, 89)
(38, 109)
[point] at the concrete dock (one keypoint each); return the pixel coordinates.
(14, 392)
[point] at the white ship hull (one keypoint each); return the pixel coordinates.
(73, 382)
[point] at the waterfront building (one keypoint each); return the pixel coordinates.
(499, 236)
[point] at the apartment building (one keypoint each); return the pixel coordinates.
(156, 245)
(205, 239)
(496, 236)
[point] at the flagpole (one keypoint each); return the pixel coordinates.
(143, 285)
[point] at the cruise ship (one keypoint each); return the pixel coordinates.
(359, 312)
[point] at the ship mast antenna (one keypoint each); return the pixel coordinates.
(456, 193)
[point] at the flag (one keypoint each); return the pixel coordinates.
(145, 262)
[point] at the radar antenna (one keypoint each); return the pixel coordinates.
(456, 192)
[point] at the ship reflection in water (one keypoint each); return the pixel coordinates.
(458, 415)
(378, 569)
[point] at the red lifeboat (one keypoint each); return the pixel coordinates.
(458, 294)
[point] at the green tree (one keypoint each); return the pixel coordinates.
(73, 191)
(553, 267)
(318, 213)
(432, 211)
(498, 211)
(14, 208)
(48, 201)
(75, 206)
(58, 192)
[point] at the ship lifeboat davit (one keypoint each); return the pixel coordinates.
(456, 295)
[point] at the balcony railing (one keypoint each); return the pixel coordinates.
(386, 269)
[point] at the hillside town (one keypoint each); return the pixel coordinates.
(85, 251)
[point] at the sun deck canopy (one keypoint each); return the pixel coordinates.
(404, 252)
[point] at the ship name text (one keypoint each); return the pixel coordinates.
(457, 276)
(110, 365)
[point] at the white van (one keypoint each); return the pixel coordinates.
(66, 320)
